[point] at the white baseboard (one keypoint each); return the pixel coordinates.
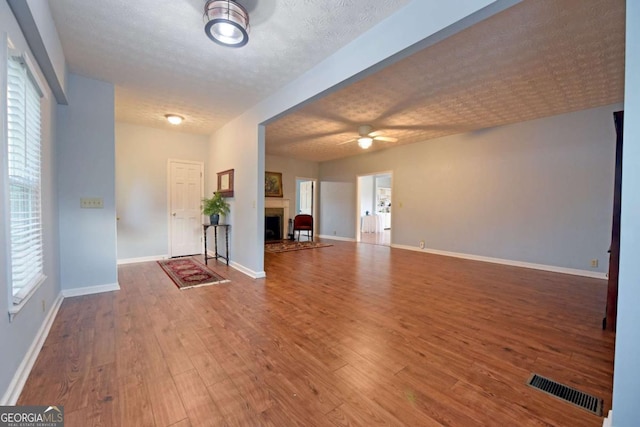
(344, 239)
(241, 268)
(20, 378)
(89, 290)
(142, 259)
(608, 422)
(551, 268)
(244, 270)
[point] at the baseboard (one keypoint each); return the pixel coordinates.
(22, 373)
(247, 271)
(608, 422)
(241, 268)
(89, 290)
(551, 268)
(142, 259)
(343, 239)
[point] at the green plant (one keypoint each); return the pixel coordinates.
(216, 205)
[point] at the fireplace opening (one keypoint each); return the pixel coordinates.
(273, 226)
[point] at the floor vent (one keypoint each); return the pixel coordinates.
(571, 395)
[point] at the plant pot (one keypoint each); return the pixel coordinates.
(214, 219)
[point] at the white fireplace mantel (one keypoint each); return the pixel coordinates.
(276, 202)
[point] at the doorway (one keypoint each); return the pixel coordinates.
(373, 223)
(186, 185)
(306, 189)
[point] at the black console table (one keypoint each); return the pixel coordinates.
(215, 239)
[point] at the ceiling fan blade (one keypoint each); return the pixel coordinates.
(433, 127)
(385, 138)
(375, 134)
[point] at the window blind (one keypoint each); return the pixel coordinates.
(24, 170)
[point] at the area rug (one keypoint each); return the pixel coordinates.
(187, 273)
(292, 245)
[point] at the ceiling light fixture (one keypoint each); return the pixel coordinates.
(227, 23)
(365, 142)
(174, 119)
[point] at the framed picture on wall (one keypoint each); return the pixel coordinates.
(273, 184)
(225, 183)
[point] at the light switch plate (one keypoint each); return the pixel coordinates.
(91, 203)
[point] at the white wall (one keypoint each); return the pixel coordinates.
(17, 336)
(86, 165)
(240, 143)
(538, 192)
(367, 198)
(142, 154)
(291, 169)
(626, 377)
(341, 194)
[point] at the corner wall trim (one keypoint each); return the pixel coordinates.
(20, 378)
(344, 239)
(551, 268)
(142, 259)
(89, 290)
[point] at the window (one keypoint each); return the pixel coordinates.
(24, 170)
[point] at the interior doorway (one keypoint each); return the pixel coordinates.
(373, 222)
(306, 201)
(186, 184)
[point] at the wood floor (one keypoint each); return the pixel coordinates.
(358, 335)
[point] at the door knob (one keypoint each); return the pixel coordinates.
(174, 214)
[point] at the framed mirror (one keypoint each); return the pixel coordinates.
(225, 183)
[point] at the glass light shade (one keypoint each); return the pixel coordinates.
(365, 142)
(174, 119)
(227, 23)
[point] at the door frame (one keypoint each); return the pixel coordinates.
(358, 196)
(169, 224)
(315, 200)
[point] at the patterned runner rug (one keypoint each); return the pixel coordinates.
(188, 273)
(292, 245)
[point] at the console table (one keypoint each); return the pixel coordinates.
(215, 240)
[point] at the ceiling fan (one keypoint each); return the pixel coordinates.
(367, 136)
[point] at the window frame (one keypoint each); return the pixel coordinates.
(9, 53)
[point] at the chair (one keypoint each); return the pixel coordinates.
(303, 222)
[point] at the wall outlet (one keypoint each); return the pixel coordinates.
(421, 244)
(91, 203)
(594, 263)
(334, 232)
(44, 306)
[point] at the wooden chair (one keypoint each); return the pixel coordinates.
(303, 222)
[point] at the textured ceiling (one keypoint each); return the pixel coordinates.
(160, 60)
(536, 59)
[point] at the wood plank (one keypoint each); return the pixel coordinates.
(135, 405)
(165, 401)
(235, 410)
(197, 402)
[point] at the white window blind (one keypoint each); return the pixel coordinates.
(24, 167)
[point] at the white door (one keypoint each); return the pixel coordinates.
(306, 197)
(185, 218)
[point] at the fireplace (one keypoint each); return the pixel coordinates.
(276, 218)
(273, 224)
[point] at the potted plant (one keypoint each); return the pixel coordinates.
(214, 207)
